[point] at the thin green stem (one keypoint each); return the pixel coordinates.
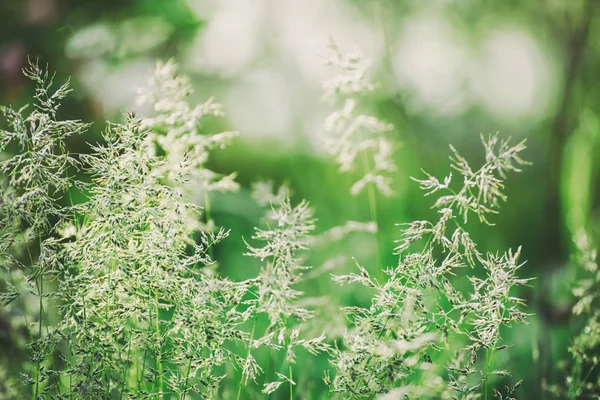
(288, 342)
(187, 377)
(587, 376)
(141, 378)
(374, 217)
(70, 375)
(126, 368)
(244, 377)
(485, 382)
(270, 368)
(291, 384)
(489, 352)
(207, 212)
(158, 347)
(106, 319)
(39, 285)
(76, 222)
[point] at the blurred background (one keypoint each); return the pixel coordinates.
(447, 70)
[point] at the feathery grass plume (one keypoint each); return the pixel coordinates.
(352, 134)
(417, 315)
(140, 316)
(177, 127)
(276, 296)
(282, 269)
(34, 167)
(34, 158)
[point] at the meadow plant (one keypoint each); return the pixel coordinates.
(356, 139)
(140, 294)
(134, 312)
(34, 176)
(419, 315)
(118, 296)
(276, 296)
(35, 162)
(177, 129)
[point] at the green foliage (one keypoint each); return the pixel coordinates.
(121, 295)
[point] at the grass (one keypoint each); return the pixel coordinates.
(121, 294)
